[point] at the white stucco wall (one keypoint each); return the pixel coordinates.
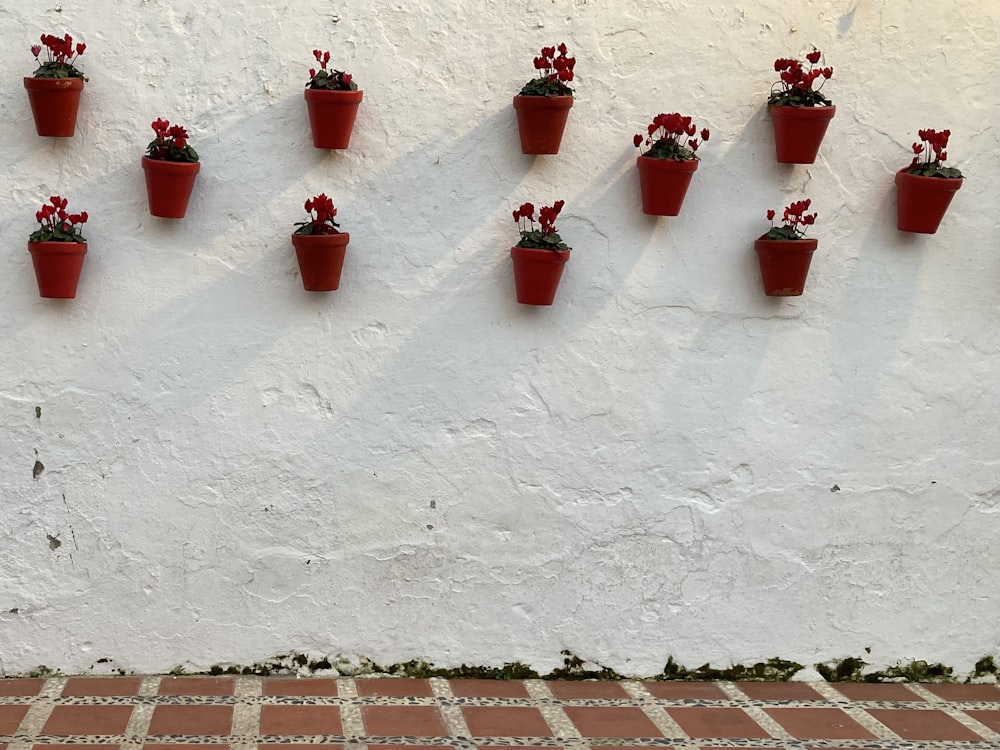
(417, 467)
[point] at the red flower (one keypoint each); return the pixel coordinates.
(770, 214)
(814, 56)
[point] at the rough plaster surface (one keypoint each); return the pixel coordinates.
(203, 463)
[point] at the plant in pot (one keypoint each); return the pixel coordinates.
(925, 188)
(785, 252)
(543, 105)
(57, 249)
(333, 98)
(540, 255)
(54, 88)
(320, 246)
(667, 164)
(170, 165)
(800, 112)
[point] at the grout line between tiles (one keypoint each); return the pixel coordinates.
(38, 713)
(553, 713)
(246, 713)
(350, 712)
(142, 713)
(845, 704)
(454, 719)
(756, 713)
(656, 713)
(954, 712)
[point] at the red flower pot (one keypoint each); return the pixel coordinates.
(799, 131)
(54, 104)
(332, 115)
(57, 267)
(784, 264)
(664, 183)
(169, 185)
(537, 273)
(541, 121)
(921, 201)
(321, 259)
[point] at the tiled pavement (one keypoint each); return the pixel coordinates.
(246, 713)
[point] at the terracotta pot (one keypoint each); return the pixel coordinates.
(537, 273)
(541, 121)
(169, 185)
(57, 267)
(784, 264)
(664, 183)
(799, 131)
(54, 104)
(321, 259)
(922, 201)
(332, 115)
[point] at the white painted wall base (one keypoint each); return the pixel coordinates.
(663, 463)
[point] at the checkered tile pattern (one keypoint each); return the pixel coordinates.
(247, 713)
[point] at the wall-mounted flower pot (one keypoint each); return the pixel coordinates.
(332, 115)
(664, 183)
(169, 185)
(537, 273)
(541, 121)
(54, 104)
(57, 267)
(784, 264)
(799, 131)
(921, 201)
(321, 259)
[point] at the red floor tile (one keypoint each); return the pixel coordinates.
(989, 718)
(819, 724)
(157, 746)
(566, 690)
(294, 686)
(389, 747)
(389, 721)
(21, 686)
(395, 687)
(685, 690)
(717, 722)
(921, 724)
(66, 720)
(504, 721)
(965, 692)
(102, 686)
(191, 720)
(283, 746)
(10, 718)
(488, 689)
(197, 685)
(779, 691)
(70, 746)
(873, 691)
(600, 721)
(300, 720)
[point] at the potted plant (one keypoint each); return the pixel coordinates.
(925, 188)
(57, 249)
(800, 113)
(171, 166)
(666, 167)
(540, 255)
(785, 252)
(543, 105)
(332, 97)
(320, 246)
(54, 88)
